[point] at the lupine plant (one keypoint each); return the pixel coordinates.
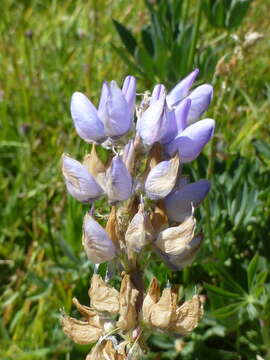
(152, 210)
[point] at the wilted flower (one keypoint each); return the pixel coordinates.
(118, 181)
(80, 183)
(96, 242)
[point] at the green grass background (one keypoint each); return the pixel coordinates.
(48, 50)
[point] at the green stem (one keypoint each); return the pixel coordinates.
(194, 38)
(265, 326)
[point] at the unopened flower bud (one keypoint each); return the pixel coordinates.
(97, 244)
(140, 231)
(114, 111)
(118, 181)
(180, 91)
(200, 98)
(129, 91)
(80, 183)
(86, 120)
(128, 297)
(103, 296)
(162, 178)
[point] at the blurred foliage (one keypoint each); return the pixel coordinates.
(49, 49)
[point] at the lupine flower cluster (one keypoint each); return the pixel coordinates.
(152, 206)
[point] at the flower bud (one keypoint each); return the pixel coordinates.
(103, 296)
(157, 123)
(162, 178)
(181, 114)
(114, 111)
(174, 240)
(179, 204)
(190, 142)
(158, 92)
(119, 181)
(129, 92)
(128, 296)
(96, 242)
(180, 91)
(200, 98)
(80, 183)
(86, 120)
(129, 156)
(140, 231)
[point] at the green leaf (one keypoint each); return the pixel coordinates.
(126, 36)
(251, 271)
(228, 310)
(222, 292)
(229, 280)
(132, 66)
(237, 13)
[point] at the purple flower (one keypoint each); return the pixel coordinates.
(200, 98)
(190, 142)
(179, 203)
(114, 116)
(118, 181)
(80, 183)
(96, 242)
(181, 90)
(157, 123)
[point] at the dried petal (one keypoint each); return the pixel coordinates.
(112, 227)
(97, 244)
(187, 316)
(159, 218)
(139, 232)
(81, 332)
(129, 156)
(175, 240)
(162, 178)
(128, 297)
(103, 296)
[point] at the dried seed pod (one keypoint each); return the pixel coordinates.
(174, 240)
(128, 297)
(81, 332)
(112, 227)
(140, 231)
(187, 316)
(162, 312)
(103, 296)
(151, 298)
(159, 218)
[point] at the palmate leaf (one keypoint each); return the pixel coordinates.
(228, 279)
(228, 310)
(251, 271)
(225, 293)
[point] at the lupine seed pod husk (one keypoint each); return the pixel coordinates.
(128, 297)
(163, 311)
(81, 332)
(175, 240)
(151, 298)
(140, 231)
(187, 316)
(103, 296)
(112, 227)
